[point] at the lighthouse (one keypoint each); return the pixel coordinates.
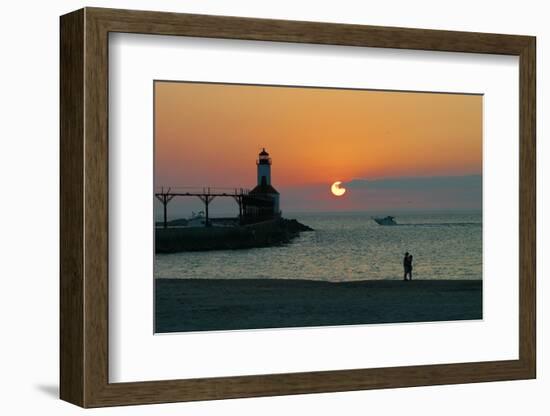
(262, 202)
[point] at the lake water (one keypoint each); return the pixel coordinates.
(347, 247)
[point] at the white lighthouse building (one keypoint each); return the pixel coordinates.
(262, 202)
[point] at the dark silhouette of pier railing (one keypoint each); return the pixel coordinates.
(205, 194)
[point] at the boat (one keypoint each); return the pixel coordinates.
(197, 219)
(388, 220)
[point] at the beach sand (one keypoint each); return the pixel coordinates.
(222, 304)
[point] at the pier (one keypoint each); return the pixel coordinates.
(205, 194)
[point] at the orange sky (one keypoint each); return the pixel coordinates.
(210, 134)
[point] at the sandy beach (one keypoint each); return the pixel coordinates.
(223, 304)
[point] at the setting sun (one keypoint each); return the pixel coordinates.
(336, 189)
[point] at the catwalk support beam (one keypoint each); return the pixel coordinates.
(206, 198)
(164, 198)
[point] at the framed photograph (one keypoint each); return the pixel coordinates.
(254, 207)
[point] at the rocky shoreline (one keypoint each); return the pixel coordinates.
(264, 234)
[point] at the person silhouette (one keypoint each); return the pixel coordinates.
(410, 263)
(406, 266)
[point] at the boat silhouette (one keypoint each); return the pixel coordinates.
(388, 220)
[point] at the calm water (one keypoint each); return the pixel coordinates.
(348, 247)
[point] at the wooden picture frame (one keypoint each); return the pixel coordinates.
(84, 207)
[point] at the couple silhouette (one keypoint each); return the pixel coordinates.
(408, 266)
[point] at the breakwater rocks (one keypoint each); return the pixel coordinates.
(262, 234)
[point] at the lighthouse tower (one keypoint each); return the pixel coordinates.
(264, 168)
(262, 202)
